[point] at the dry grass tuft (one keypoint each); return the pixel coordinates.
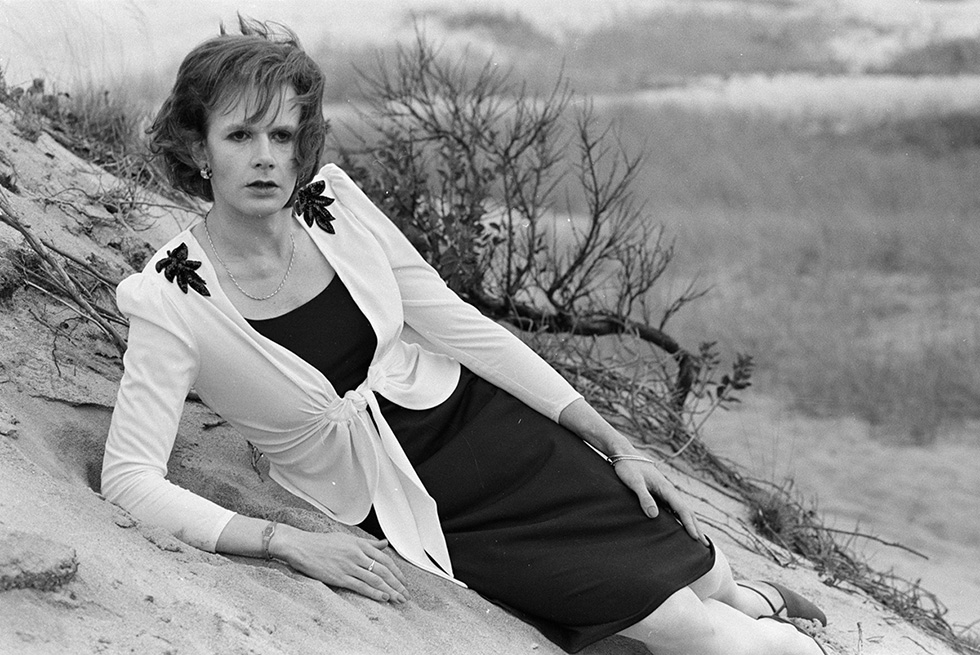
(779, 516)
(101, 126)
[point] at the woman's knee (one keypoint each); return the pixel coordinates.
(677, 626)
(717, 583)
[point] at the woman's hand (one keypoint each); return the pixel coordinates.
(640, 475)
(342, 560)
(643, 477)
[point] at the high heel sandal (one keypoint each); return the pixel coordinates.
(794, 605)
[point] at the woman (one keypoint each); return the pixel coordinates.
(303, 317)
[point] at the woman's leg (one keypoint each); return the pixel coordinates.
(686, 625)
(715, 615)
(719, 584)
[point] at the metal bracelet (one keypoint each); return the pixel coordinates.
(615, 459)
(267, 534)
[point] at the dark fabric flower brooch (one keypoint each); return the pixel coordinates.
(313, 206)
(176, 266)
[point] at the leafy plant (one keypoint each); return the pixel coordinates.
(720, 392)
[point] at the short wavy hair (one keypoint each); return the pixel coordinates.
(225, 70)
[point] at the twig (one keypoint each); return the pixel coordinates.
(918, 644)
(55, 331)
(871, 537)
(105, 197)
(748, 540)
(690, 440)
(85, 265)
(58, 272)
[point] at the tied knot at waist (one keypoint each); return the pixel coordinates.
(346, 408)
(356, 400)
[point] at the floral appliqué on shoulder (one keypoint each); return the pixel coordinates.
(176, 266)
(313, 206)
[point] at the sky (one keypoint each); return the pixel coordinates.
(79, 40)
(82, 40)
(72, 41)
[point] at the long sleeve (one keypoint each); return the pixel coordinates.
(452, 326)
(160, 367)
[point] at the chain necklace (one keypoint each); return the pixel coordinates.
(292, 255)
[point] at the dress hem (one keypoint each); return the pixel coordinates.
(607, 629)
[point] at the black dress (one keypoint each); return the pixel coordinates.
(534, 519)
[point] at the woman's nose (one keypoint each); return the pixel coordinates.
(262, 154)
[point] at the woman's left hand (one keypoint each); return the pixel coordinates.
(646, 481)
(640, 475)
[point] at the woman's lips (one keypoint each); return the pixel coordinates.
(263, 188)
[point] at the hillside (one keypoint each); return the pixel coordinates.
(78, 575)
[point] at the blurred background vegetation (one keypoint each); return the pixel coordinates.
(837, 244)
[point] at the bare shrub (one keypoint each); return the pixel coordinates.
(529, 214)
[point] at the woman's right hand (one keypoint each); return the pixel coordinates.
(342, 560)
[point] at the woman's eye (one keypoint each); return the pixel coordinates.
(282, 136)
(238, 135)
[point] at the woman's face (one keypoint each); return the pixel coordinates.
(253, 165)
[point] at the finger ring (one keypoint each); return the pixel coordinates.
(371, 567)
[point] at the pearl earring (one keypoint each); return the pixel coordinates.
(206, 172)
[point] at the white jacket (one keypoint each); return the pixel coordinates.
(322, 447)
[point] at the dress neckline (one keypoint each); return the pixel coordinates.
(267, 320)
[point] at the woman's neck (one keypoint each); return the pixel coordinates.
(250, 237)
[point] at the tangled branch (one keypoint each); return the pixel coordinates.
(526, 213)
(64, 284)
